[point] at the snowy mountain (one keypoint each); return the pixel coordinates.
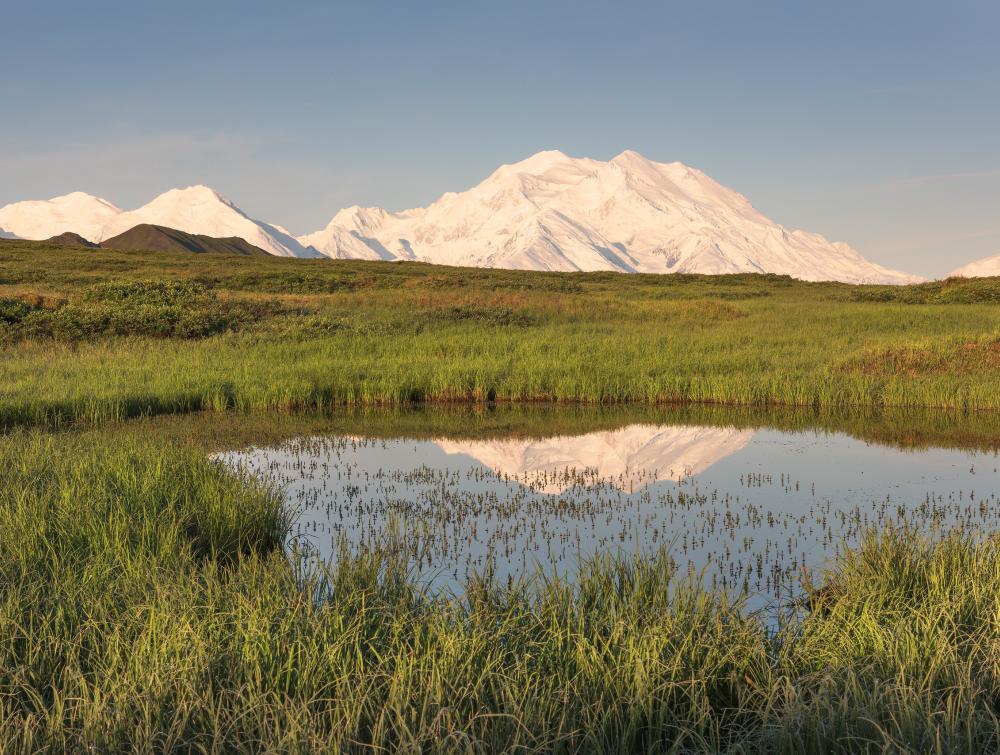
(635, 455)
(42, 219)
(984, 268)
(195, 210)
(202, 211)
(630, 214)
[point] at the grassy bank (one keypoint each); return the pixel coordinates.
(145, 604)
(105, 335)
(907, 429)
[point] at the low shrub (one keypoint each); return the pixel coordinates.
(950, 291)
(155, 309)
(495, 316)
(156, 293)
(14, 311)
(301, 283)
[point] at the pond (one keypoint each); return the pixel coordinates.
(747, 506)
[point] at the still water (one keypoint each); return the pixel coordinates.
(749, 509)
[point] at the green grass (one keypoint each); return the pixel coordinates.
(275, 334)
(146, 602)
(212, 432)
(145, 605)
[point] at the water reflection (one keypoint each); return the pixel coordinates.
(748, 508)
(630, 457)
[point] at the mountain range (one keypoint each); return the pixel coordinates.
(548, 212)
(156, 238)
(195, 210)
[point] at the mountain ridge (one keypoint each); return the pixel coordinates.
(629, 214)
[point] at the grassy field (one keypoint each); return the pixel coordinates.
(102, 335)
(146, 605)
(146, 601)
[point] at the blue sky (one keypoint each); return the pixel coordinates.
(875, 123)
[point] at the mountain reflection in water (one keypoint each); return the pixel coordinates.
(748, 509)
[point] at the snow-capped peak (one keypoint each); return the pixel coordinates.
(631, 157)
(44, 218)
(987, 267)
(551, 211)
(196, 193)
(359, 218)
(82, 198)
(538, 162)
(202, 210)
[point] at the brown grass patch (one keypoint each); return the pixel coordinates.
(971, 357)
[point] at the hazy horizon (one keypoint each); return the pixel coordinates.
(876, 126)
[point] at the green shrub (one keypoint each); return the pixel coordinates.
(301, 283)
(149, 293)
(87, 321)
(14, 311)
(495, 316)
(155, 309)
(950, 291)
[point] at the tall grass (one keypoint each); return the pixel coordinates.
(145, 604)
(785, 356)
(271, 334)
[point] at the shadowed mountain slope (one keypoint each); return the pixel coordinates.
(157, 238)
(71, 239)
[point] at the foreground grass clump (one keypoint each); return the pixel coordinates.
(145, 605)
(102, 335)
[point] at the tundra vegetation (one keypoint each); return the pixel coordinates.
(149, 601)
(103, 335)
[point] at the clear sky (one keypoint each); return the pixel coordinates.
(875, 123)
